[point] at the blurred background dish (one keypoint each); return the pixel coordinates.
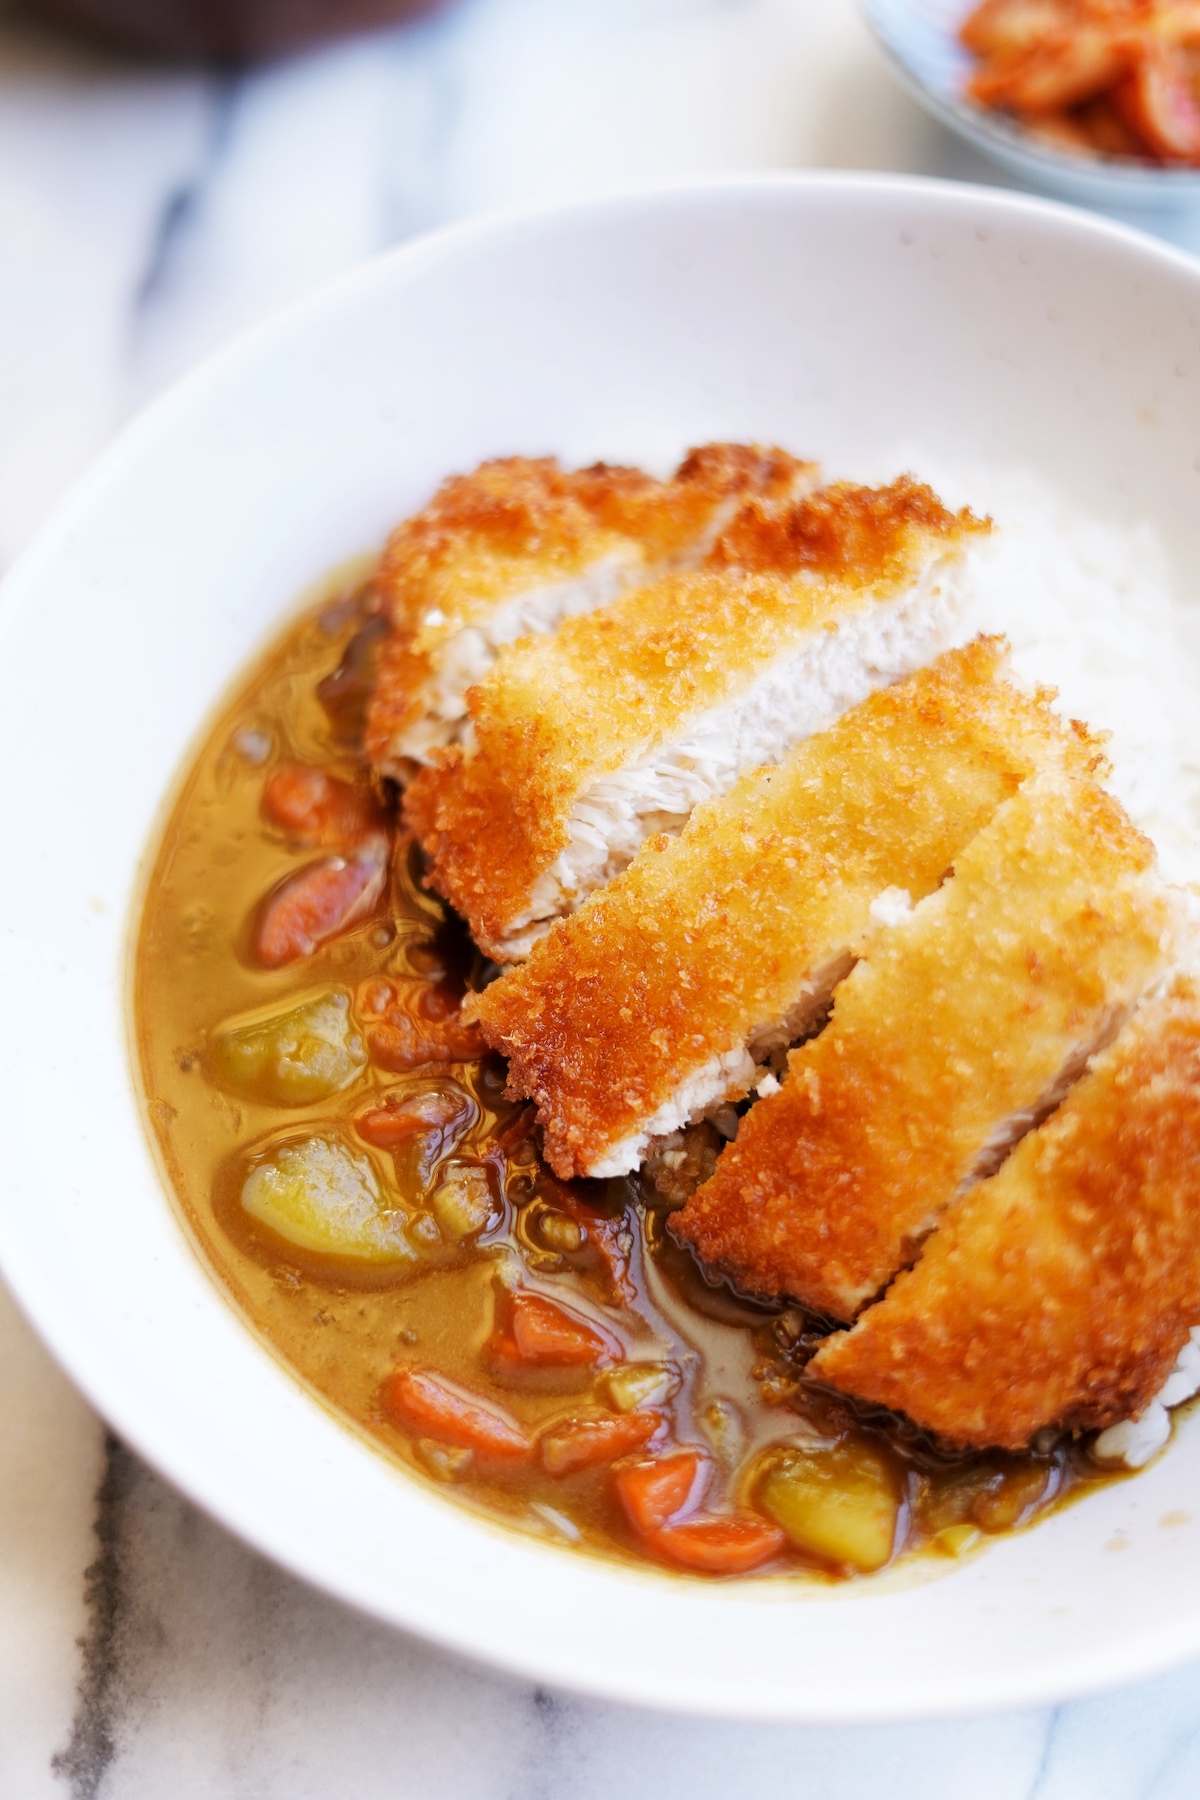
(921, 41)
(222, 30)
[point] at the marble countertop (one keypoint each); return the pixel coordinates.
(147, 216)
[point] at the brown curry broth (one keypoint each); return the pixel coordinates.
(343, 1328)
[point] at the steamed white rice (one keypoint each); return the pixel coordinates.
(1090, 609)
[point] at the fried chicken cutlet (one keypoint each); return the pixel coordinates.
(657, 1000)
(1060, 1292)
(520, 545)
(960, 1026)
(584, 744)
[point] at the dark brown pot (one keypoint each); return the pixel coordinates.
(222, 30)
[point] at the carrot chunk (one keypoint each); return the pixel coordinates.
(539, 1333)
(607, 1236)
(319, 902)
(438, 1001)
(387, 1127)
(517, 1132)
(373, 997)
(401, 1042)
(403, 1116)
(662, 1489)
(731, 1546)
(428, 1403)
(582, 1443)
(316, 808)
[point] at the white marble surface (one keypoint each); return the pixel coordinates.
(146, 217)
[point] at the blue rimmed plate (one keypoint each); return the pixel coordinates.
(920, 39)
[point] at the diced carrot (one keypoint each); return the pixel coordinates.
(1158, 102)
(316, 808)
(545, 1334)
(403, 1116)
(581, 1443)
(345, 693)
(437, 1000)
(387, 1128)
(731, 1546)
(319, 902)
(374, 997)
(605, 1237)
(602, 1232)
(518, 1131)
(662, 1489)
(400, 1042)
(428, 1403)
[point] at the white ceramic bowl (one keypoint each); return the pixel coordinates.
(876, 322)
(920, 38)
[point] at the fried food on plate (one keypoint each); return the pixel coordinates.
(582, 745)
(714, 949)
(961, 1026)
(1060, 1292)
(520, 545)
(1107, 77)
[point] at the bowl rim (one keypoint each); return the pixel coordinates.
(1129, 1657)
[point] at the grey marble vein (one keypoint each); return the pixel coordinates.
(1041, 1776)
(1137, 1743)
(85, 1759)
(183, 203)
(88, 153)
(208, 1672)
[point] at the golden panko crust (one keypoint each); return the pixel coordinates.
(510, 525)
(397, 703)
(670, 518)
(557, 713)
(955, 1023)
(519, 524)
(840, 532)
(711, 934)
(1060, 1292)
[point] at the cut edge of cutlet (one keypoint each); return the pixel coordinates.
(1059, 1293)
(548, 543)
(823, 1138)
(730, 1076)
(967, 734)
(583, 744)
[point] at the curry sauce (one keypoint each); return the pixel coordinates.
(354, 1176)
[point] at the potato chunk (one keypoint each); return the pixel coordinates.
(631, 1385)
(291, 1058)
(318, 1194)
(838, 1503)
(462, 1203)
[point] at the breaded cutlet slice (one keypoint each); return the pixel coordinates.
(1060, 1292)
(584, 744)
(521, 544)
(961, 1025)
(716, 948)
